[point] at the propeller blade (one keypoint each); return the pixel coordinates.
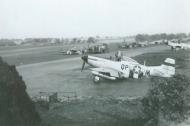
(83, 66)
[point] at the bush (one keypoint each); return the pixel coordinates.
(168, 97)
(16, 108)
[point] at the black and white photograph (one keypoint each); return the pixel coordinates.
(94, 63)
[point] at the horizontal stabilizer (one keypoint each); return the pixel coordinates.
(169, 62)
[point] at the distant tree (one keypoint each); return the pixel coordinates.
(168, 97)
(97, 36)
(142, 38)
(91, 40)
(74, 40)
(163, 36)
(155, 37)
(181, 35)
(171, 36)
(66, 40)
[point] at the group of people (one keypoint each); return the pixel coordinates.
(118, 56)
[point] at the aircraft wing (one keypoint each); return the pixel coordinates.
(105, 73)
(125, 58)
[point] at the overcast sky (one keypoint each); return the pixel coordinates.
(75, 18)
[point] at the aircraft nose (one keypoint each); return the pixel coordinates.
(84, 58)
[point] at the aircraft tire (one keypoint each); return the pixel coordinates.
(96, 79)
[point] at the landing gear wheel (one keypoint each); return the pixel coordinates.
(96, 79)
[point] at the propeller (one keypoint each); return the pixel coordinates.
(85, 59)
(83, 66)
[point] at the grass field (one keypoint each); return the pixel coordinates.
(156, 58)
(21, 55)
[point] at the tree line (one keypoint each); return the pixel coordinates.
(162, 36)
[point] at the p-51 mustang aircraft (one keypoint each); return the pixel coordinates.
(175, 46)
(126, 68)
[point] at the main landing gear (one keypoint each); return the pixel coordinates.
(96, 79)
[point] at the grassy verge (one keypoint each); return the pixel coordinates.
(182, 58)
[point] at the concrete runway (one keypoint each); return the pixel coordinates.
(65, 76)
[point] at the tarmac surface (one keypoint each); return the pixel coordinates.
(64, 75)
